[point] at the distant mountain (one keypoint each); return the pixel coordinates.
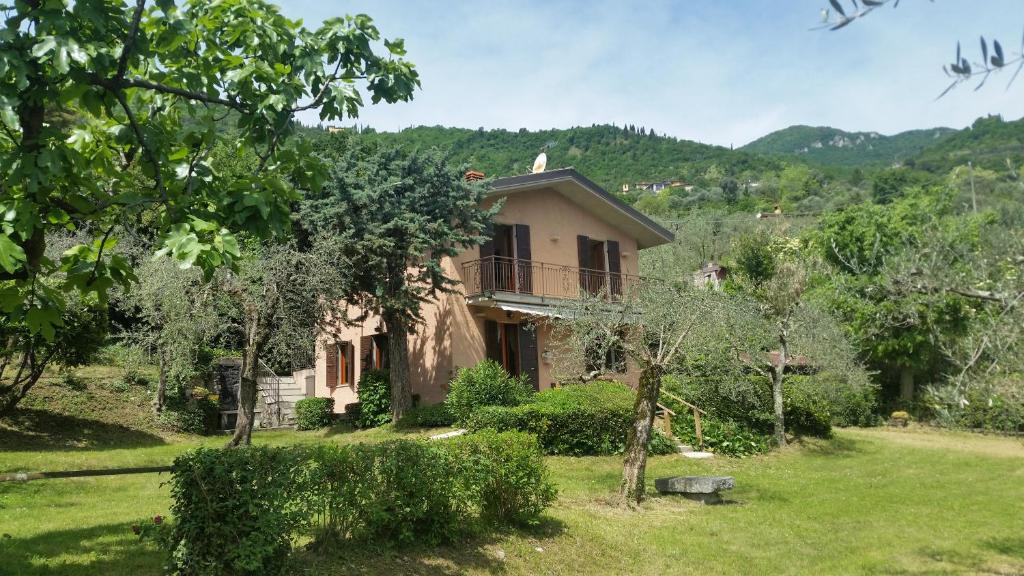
(988, 143)
(835, 147)
(609, 155)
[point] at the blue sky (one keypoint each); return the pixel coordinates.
(716, 71)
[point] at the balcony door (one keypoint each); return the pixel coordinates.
(506, 260)
(600, 266)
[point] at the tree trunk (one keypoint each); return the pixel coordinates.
(247, 391)
(161, 386)
(907, 384)
(640, 434)
(22, 382)
(778, 375)
(398, 365)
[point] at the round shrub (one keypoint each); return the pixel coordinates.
(576, 420)
(486, 384)
(314, 413)
(374, 399)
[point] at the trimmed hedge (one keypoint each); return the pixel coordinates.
(237, 511)
(374, 393)
(576, 420)
(432, 416)
(314, 413)
(486, 384)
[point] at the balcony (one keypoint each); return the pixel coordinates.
(528, 280)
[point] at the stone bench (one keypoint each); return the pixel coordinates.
(703, 489)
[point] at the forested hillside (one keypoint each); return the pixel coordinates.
(609, 155)
(832, 146)
(988, 143)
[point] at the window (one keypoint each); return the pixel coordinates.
(606, 355)
(379, 352)
(339, 364)
(343, 350)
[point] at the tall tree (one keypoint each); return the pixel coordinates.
(901, 333)
(109, 110)
(178, 316)
(394, 217)
(280, 299)
(789, 327)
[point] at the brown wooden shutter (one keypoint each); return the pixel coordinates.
(365, 354)
(524, 259)
(351, 363)
(331, 350)
(614, 267)
(491, 340)
(529, 363)
(583, 249)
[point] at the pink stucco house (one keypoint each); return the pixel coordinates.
(557, 233)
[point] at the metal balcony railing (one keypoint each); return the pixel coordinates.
(498, 274)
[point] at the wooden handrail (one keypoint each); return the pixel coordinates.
(666, 409)
(684, 402)
(697, 412)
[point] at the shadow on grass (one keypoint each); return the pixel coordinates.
(831, 447)
(30, 429)
(1012, 546)
(106, 549)
(482, 553)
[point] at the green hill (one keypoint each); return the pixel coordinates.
(988, 143)
(832, 146)
(609, 155)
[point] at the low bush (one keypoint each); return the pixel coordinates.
(576, 420)
(374, 393)
(191, 415)
(233, 510)
(812, 403)
(429, 416)
(238, 510)
(486, 384)
(994, 405)
(806, 413)
(724, 437)
(314, 413)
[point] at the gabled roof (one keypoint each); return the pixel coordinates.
(584, 192)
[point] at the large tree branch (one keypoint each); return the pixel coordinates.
(129, 43)
(146, 149)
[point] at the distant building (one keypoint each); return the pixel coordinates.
(333, 129)
(710, 274)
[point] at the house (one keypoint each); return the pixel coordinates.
(557, 234)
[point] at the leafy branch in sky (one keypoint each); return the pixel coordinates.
(961, 70)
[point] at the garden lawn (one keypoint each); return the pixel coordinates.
(877, 501)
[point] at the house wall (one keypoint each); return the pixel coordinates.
(452, 334)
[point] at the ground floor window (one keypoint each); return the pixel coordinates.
(606, 356)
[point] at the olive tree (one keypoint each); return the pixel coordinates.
(784, 325)
(656, 325)
(277, 300)
(178, 313)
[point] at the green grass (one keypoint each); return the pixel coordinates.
(876, 501)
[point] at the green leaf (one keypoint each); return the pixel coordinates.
(10, 254)
(43, 321)
(44, 47)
